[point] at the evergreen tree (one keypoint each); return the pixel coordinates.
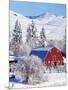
(42, 37)
(16, 38)
(32, 39)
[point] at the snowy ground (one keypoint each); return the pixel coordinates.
(54, 79)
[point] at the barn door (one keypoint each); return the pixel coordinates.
(53, 62)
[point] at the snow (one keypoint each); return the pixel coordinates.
(11, 58)
(52, 26)
(64, 59)
(25, 49)
(54, 79)
(42, 49)
(23, 21)
(45, 43)
(30, 69)
(49, 21)
(53, 30)
(10, 75)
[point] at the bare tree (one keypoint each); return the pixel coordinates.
(32, 69)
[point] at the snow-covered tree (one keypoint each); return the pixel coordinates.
(43, 37)
(16, 38)
(32, 39)
(25, 49)
(30, 69)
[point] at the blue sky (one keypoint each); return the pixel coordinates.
(35, 8)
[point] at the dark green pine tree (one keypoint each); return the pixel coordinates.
(16, 38)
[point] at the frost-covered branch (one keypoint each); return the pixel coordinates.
(32, 69)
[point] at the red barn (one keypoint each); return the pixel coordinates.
(54, 57)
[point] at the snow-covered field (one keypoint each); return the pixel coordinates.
(54, 79)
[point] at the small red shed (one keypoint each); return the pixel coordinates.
(54, 57)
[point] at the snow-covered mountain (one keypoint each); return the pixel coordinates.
(55, 26)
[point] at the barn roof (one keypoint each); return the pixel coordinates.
(47, 48)
(41, 52)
